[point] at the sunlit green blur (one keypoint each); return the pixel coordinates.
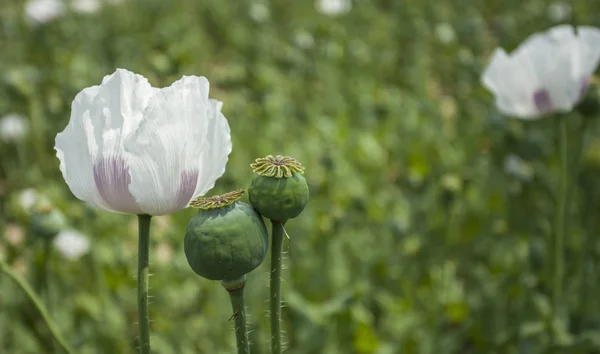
(429, 217)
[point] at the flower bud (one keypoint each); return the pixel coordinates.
(278, 191)
(226, 239)
(47, 220)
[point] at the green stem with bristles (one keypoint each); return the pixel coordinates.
(142, 286)
(236, 295)
(275, 291)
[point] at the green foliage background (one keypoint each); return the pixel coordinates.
(417, 238)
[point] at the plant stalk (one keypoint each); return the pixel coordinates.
(38, 305)
(559, 226)
(236, 295)
(142, 286)
(275, 288)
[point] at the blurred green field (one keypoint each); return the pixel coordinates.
(430, 213)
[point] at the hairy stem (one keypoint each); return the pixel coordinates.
(275, 291)
(142, 289)
(236, 295)
(38, 305)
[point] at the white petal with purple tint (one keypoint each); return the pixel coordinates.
(171, 146)
(132, 148)
(548, 73)
(550, 55)
(112, 178)
(91, 147)
(117, 110)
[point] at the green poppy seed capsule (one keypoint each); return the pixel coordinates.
(226, 239)
(278, 190)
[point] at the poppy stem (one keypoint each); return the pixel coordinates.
(236, 295)
(275, 288)
(559, 227)
(142, 286)
(38, 305)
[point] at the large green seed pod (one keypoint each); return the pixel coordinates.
(278, 190)
(226, 239)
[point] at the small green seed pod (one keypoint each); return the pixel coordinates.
(278, 190)
(226, 239)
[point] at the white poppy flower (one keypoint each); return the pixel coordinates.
(548, 73)
(42, 11)
(71, 244)
(132, 148)
(13, 127)
(333, 7)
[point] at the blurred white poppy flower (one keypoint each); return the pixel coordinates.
(13, 127)
(548, 73)
(28, 198)
(333, 7)
(42, 11)
(86, 6)
(132, 148)
(559, 11)
(445, 33)
(259, 12)
(71, 244)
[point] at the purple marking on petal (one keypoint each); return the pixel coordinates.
(583, 88)
(542, 101)
(112, 178)
(187, 187)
